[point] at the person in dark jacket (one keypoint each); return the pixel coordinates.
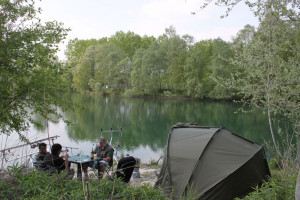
(55, 160)
(42, 152)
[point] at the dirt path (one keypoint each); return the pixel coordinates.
(147, 175)
(144, 176)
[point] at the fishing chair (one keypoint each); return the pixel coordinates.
(108, 169)
(97, 173)
(44, 167)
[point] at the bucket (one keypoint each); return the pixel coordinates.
(136, 173)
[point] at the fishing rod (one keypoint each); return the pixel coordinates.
(67, 149)
(120, 134)
(70, 147)
(111, 131)
(121, 127)
(17, 158)
(6, 152)
(33, 144)
(112, 121)
(101, 130)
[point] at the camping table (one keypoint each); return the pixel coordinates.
(80, 159)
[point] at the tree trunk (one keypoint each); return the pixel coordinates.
(297, 190)
(272, 133)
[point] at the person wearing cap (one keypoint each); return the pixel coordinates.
(42, 152)
(105, 152)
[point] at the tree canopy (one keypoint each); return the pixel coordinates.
(268, 61)
(30, 74)
(167, 65)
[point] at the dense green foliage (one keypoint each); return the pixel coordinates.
(134, 65)
(283, 188)
(279, 188)
(24, 183)
(268, 62)
(30, 75)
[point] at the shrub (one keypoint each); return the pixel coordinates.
(24, 183)
(278, 188)
(133, 93)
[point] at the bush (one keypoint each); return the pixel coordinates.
(24, 183)
(133, 93)
(278, 188)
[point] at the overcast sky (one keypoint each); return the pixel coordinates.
(102, 18)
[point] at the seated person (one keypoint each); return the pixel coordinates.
(105, 152)
(42, 152)
(56, 161)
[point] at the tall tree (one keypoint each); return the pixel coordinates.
(30, 75)
(129, 42)
(221, 68)
(75, 51)
(271, 61)
(196, 69)
(154, 67)
(84, 71)
(107, 57)
(123, 74)
(244, 37)
(176, 51)
(137, 78)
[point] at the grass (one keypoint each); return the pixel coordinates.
(281, 186)
(19, 182)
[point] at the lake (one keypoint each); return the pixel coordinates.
(140, 126)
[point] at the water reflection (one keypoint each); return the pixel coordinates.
(146, 122)
(142, 125)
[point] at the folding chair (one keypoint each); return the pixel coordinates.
(44, 167)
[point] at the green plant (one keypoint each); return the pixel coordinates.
(279, 188)
(274, 164)
(167, 94)
(20, 182)
(133, 92)
(153, 162)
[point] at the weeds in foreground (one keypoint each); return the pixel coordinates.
(276, 189)
(282, 184)
(24, 183)
(19, 182)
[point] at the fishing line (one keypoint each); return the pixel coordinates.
(103, 119)
(112, 121)
(111, 130)
(120, 133)
(121, 128)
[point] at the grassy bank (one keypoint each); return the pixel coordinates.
(24, 183)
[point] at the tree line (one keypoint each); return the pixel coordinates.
(129, 64)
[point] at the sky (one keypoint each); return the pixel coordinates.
(103, 18)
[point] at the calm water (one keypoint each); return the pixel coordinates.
(146, 123)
